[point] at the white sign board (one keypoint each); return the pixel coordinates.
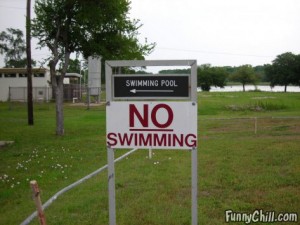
(156, 125)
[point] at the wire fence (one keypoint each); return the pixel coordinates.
(72, 93)
(19, 94)
(213, 127)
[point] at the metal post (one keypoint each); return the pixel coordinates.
(111, 186)
(194, 187)
(150, 153)
(88, 97)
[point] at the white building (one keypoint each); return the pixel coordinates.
(16, 79)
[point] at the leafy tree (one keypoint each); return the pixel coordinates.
(175, 71)
(284, 70)
(13, 47)
(73, 67)
(296, 79)
(246, 75)
(211, 76)
(260, 71)
(89, 27)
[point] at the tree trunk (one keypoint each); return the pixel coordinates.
(58, 86)
(285, 87)
(59, 97)
(243, 87)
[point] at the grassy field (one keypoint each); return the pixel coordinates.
(240, 168)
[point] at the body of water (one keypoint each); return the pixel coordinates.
(235, 88)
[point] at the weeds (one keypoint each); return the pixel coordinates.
(257, 107)
(51, 164)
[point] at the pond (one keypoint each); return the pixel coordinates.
(235, 88)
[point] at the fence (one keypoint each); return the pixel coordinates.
(72, 93)
(231, 127)
(38, 94)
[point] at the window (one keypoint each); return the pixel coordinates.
(39, 75)
(10, 75)
(22, 75)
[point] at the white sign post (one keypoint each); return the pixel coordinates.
(151, 124)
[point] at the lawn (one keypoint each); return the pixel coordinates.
(248, 159)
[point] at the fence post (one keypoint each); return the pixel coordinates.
(255, 125)
(88, 97)
(150, 153)
(38, 202)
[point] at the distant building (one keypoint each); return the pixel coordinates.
(13, 84)
(16, 78)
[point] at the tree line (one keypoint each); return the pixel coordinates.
(284, 70)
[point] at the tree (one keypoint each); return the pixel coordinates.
(89, 27)
(296, 79)
(175, 71)
(73, 67)
(246, 75)
(211, 76)
(12, 45)
(284, 70)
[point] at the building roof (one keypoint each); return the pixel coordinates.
(22, 70)
(36, 70)
(73, 75)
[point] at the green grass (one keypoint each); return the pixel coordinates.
(238, 169)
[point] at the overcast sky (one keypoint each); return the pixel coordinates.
(219, 32)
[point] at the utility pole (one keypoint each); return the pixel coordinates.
(29, 67)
